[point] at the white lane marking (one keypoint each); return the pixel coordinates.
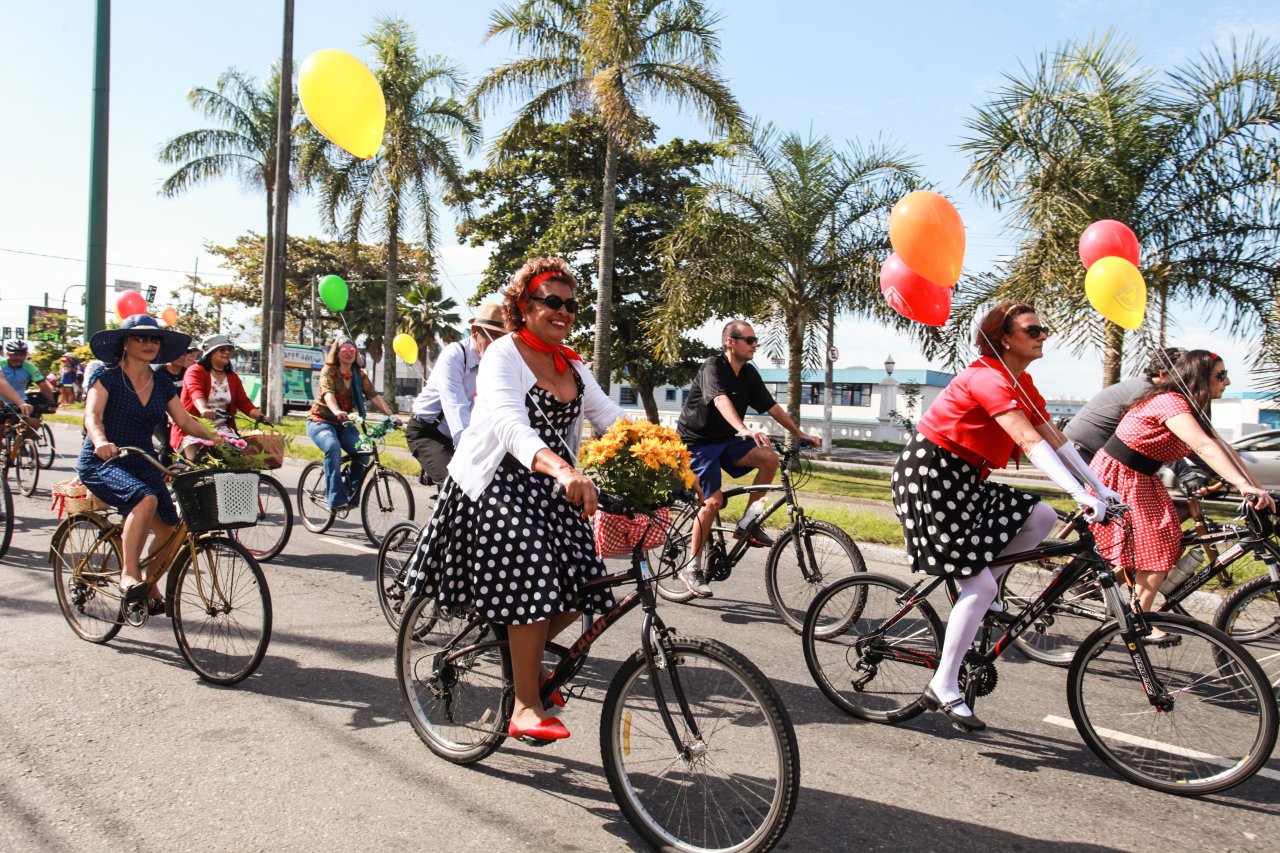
(1133, 740)
(342, 543)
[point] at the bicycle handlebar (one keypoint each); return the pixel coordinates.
(618, 505)
(180, 466)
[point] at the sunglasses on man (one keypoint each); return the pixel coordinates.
(749, 339)
(555, 303)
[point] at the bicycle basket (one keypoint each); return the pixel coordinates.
(617, 535)
(217, 500)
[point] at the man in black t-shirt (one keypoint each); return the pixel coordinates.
(711, 425)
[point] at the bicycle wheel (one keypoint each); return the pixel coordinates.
(86, 576)
(827, 554)
(1250, 615)
(313, 505)
(44, 442)
(393, 562)
(221, 611)
(1215, 728)
(671, 556)
(867, 670)
(266, 539)
(733, 786)
(387, 500)
(1058, 631)
(451, 679)
(27, 466)
(6, 515)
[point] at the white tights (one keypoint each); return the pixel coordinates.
(975, 595)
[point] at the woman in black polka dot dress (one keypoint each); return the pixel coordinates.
(501, 540)
(955, 521)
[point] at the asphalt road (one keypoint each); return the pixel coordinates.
(122, 747)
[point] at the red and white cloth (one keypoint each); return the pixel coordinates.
(617, 535)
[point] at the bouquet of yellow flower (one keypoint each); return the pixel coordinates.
(644, 463)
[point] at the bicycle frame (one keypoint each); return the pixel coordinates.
(795, 512)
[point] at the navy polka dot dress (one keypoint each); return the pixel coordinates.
(955, 523)
(518, 553)
(127, 422)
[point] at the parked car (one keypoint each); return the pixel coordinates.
(1260, 451)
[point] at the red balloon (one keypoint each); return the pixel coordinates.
(129, 303)
(1107, 238)
(912, 295)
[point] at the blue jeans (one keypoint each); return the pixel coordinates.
(333, 440)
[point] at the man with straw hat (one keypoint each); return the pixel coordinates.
(443, 410)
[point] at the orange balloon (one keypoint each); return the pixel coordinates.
(170, 316)
(928, 235)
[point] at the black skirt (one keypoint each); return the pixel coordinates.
(954, 522)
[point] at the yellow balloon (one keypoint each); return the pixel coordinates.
(1116, 290)
(405, 347)
(343, 100)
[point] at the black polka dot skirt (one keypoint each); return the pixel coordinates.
(954, 522)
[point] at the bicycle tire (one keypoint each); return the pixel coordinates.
(6, 515)
(1058, 631)
(790, 592)
(746, 755)
(458, 704)
(27, 466)
(671, 556)
(86, 576)
(268, 536)
(393, 559)
(44, 443)
(1218, 732)
(221, 609)
(1250, 615)
(313, 504)
(839, 641)
(386, 500)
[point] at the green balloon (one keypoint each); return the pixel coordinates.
(333, 292)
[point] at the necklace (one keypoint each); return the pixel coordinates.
(139, 391)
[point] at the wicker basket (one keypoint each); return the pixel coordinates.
(71, 496)
(217, 500)
(269, 443)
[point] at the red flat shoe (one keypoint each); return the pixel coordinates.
(548, 730)
(556, 698)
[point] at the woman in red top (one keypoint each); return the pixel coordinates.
(213, 391)
(954, 520)
(1163, 424)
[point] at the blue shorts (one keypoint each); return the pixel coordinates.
(709, 459)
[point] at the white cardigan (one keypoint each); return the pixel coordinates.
(500, 418)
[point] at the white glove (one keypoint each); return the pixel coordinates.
(1075, 462)
(1048, 463)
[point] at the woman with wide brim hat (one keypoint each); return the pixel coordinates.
(125, 404)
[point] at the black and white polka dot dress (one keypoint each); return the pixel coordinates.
(518, 553)
(954, 522)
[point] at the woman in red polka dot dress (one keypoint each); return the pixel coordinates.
(1161, 425)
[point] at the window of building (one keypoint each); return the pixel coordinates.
(627, 396)
(671, 395)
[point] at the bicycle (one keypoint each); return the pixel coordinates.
(805, 558)
(1190, 714)
(385, 495)
(20, 450)
(6, 516)
(1058, 631)
(266, 538)
(46, 450)
(216, 594)
(699, 752)
(393, 568)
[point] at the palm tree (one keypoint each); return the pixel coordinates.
(431, 318)
(1188, 160)
(605, 56)
(792, 230)
(426, 122)
(243, 145)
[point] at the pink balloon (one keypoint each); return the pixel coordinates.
(912, 295)
(129, 303)
(1107, 238)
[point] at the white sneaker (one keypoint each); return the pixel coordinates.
(694, 578)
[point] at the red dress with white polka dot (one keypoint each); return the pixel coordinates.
(1157, 532)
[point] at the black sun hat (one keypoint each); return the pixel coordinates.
(108, 344)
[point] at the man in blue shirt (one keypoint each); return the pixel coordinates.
(20, 373)
(442, 412)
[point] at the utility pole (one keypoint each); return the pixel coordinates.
(95, 280)
(274, 375)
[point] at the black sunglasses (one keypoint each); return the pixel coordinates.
(555, 303)
(146, 339)
(750, 339)
(1037, 331)
(1221, 376)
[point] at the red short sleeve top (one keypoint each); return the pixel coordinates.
(962, 419)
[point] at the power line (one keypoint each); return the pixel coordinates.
(109, 263)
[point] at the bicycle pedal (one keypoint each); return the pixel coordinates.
(534, 741)
(134, 615)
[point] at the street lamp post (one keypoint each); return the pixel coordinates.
(888, 399)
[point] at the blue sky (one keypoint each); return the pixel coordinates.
(905, 72)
